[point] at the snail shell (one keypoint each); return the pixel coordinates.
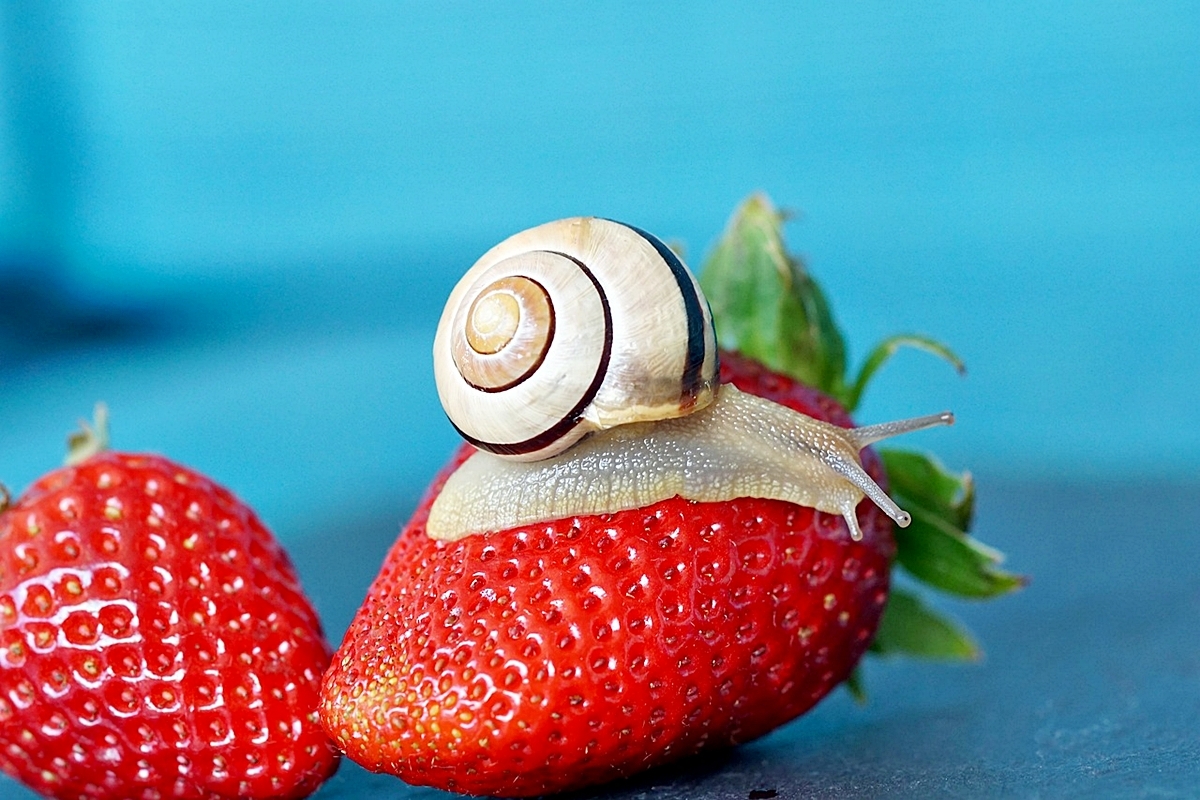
(574, 326)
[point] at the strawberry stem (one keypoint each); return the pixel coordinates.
(5, 498)
(90, 439)
(885, 350)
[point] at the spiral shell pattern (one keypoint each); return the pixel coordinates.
(573, 326)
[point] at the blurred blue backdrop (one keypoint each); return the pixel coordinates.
(237, 222)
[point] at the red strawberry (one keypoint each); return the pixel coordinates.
(154, 641)
(572, 652)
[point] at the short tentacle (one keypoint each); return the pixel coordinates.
(853, 472)
(850, 514)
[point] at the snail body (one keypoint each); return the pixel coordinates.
(718, 453)
(579, 357)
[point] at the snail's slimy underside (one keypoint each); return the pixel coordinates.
(740, 446)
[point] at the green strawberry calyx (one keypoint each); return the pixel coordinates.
(767, 307)
(90, 439)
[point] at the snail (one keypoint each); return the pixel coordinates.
(579, 358)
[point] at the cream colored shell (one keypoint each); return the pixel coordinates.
(573, 326)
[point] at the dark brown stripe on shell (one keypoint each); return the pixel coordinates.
(692, 381)
(541, 357)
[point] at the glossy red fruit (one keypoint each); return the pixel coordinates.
(565, 654)
(154, 641)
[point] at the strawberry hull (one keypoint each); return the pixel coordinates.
(573, 652)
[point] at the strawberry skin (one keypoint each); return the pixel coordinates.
(154, 641)
(569, 653)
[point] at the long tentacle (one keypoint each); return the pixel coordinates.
(870, 434)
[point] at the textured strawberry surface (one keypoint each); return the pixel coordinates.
(154, 641)
(565, 654)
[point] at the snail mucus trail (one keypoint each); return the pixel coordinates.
(579, 358)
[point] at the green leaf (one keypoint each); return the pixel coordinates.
(883, 353)
(935, 548)
(765, 304)
(911, 628)
(921, 480)
(854, 685)
(947, 559)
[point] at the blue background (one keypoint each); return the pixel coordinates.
(236, 223)
(1023, 183)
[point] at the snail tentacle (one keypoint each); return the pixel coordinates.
(870, 434)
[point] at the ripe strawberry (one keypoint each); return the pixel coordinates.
(569, 652)
(154, 641)
(572, 652)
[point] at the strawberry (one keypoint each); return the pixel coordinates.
(154, 640)
(549, 656)
(569, 652)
